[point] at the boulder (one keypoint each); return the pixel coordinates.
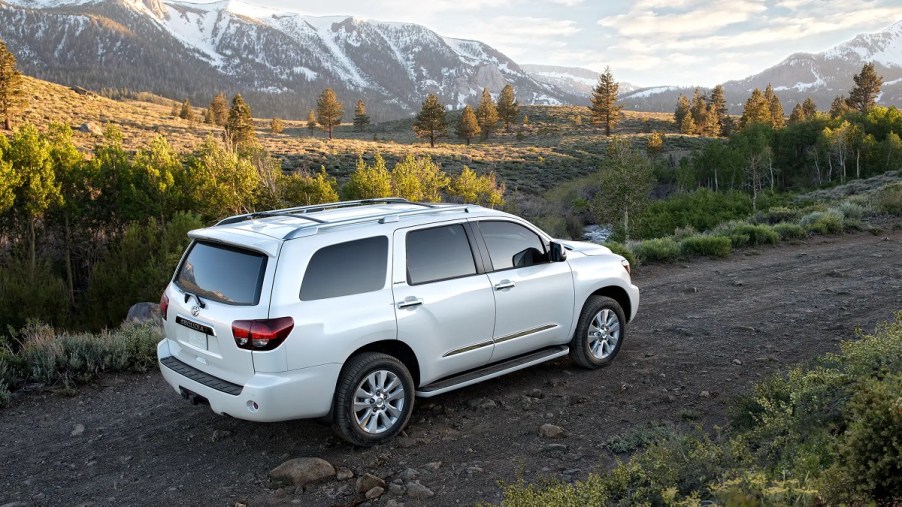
(141, 313)
(303, 471)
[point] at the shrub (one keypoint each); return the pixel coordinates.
(656, 250)
(823, 222)
(708, 246)
(24, 296)
(790, 231)
(702, 209)
(851, 210)
(621, 249)
(743, 233)
(889, 199)
(777, 214)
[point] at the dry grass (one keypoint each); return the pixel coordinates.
(557, 144)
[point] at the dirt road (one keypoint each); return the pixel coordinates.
(706, 331)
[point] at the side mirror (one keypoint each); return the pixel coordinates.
(558, 252)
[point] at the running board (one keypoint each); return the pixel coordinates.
(492, 371)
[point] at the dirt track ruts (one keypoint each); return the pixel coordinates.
(768, 308)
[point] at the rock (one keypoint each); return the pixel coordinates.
(91, 128)
(418, 491)
(397, 489)
(343, 474)
(219, 435)
(141, 313)
(394, 503)
(555, 448)
(737, 362)
(15, 504)
(374, 493)
(474, 470)
(704, 394)
(79, 429)
(550, 430)
(537, 394)
(368, 482)
(433, 466)
(410, 474)
(303, 471)
(487, 404)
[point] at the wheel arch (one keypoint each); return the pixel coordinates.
(396, 349)
(618, 294)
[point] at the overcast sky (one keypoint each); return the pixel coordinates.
(646, 42)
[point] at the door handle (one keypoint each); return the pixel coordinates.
(410, 302)
(504, 284)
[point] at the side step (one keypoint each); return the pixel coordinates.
(491, 371)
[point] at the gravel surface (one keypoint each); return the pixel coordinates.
(706, 331)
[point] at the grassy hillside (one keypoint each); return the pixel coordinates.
(554, 145)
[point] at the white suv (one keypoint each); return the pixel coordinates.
(347, 311)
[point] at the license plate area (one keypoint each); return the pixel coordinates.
(195, 334)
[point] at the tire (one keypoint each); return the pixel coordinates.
(600, 333)
(386, 408)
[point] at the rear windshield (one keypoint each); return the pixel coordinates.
(222, 273)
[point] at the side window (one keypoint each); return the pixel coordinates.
(439, 253)
(348, 268)
(512, 245)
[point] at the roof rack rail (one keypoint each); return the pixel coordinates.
(306, 230)
(299, 211)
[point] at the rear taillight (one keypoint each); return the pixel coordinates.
(265, 334)
(164, 305)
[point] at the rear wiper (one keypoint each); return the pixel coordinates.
(200, 303)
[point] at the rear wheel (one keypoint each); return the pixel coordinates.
(600, 333)
(373, 400)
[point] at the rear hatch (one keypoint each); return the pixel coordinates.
(216, 284)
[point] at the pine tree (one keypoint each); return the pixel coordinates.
(681, 112)
(756, 110)
(605, 110)
(239, 128)
(508, 109)
(329, 110)
(699, 111)
(839, 107)
(219, 109)
(361, 120)
(186, 112)
(12, 87)
(431, 121)
(797, 115)
(720, 108)
(775, 108)
(809, 108)
(176, 109)
(208, 117)
(276, 126)
(311, 121)
(687, 126)
(863, 95)
(467, 125)
(486, 114)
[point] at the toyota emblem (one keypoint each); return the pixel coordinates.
(195, 310)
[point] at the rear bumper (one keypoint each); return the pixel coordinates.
(299, 394)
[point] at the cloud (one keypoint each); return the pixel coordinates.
(648, 18)
(519, 35)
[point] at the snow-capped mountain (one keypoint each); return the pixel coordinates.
(279, 60)
(821, 76)
(574, 80)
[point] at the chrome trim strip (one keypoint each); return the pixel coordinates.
(521, 334)
(468, 348)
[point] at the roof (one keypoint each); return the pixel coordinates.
(290, 223)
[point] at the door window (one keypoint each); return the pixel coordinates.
(439, 253)
(512, 245)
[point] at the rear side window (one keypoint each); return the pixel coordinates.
(512, 245)
(439, 253)
(223, 273)
(348, 268)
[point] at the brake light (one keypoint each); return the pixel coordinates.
(264, 334)
(164, 305)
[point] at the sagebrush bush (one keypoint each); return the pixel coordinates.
(746, 234)
(708, 246)
(656, 250)
(823, 222)
(621, 249)
(777, 214)
(790, 231)
(52, 357)
(889, 199)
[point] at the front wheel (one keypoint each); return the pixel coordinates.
(600, 333)
(373, 399)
